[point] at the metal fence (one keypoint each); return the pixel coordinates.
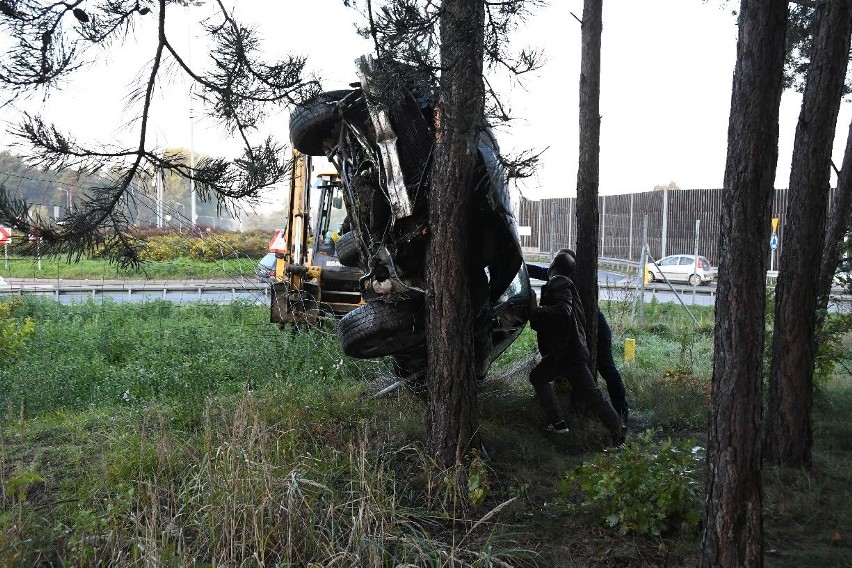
(672, 216)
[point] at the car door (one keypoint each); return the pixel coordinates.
(686, 268)
(669, 267)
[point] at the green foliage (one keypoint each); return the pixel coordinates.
(279, 478)
(166, 247)
(477, 480)
(205, 246)
(833, 349)
(13, 331)
(126, 354)
(648, 488)
(20, 483)
(169, 254)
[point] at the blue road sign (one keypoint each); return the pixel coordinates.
(773, 241)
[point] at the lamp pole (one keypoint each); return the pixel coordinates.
(68, 202)
(181, 216)
(193, 211)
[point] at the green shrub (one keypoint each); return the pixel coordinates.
(206, 246)
(166, 247)
(13, 332)
(648, 488)
(832, 347)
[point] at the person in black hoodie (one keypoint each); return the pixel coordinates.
(606, 364)
(560, 324)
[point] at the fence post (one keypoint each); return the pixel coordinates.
(665, 233)
(572, 207)
(630, 232)
(643, 259)
(603, 226)
(552, 228)
(540, 225)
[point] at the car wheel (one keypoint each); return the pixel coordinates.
(651, 277)
(312, 122)
(347, 251)
(380, 328)
(695, 280)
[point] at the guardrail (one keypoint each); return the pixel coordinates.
(150, 289)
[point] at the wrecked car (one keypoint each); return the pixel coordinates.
(380, 136)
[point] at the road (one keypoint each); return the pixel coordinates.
(617, 286)
(614, 286)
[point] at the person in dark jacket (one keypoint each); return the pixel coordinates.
(606, 364)
(560, 325)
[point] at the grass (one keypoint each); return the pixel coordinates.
(202, 435)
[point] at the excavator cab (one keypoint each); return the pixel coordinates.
(310, 282)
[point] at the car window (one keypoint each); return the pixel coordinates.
(668, 261)
(268, 261)
(685, 260)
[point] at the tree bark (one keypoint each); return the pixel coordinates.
(789, 433)
(452, 385)
(588, 171)
(733, 521)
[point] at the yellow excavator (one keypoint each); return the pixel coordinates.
(311, 284)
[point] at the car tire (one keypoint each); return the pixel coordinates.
(312, 122)
(347, 251)
(380, 328)
(651, 277)
(695, 280)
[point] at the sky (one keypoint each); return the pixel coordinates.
(666, 77)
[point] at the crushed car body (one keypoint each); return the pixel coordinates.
(380, 137)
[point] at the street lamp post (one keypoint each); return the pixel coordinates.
(180, 216)
(68, 202)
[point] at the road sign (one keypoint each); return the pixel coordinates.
(5, 235)
(773, 241)
(278, 244)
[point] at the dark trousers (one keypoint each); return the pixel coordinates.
(607, 368)
(584, 389)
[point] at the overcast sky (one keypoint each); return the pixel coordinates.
(665, 90)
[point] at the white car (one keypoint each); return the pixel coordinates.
(681, 268)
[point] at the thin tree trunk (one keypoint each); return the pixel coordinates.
(838, 226)
(588, 171)
(789, 431)
(733, 521)
(452, 386)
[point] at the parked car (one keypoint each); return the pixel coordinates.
(681, 268)
(266, 268)
(381, 141)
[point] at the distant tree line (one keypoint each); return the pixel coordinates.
(54, 194)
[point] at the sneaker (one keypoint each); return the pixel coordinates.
(557, 427)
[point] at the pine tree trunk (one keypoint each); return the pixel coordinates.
(452, 386)
(789, 433)
(588, 171)
(838, 226)
(733, 521)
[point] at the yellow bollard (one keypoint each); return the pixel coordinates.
(629, 350)
(646, 276)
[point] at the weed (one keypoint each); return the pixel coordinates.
(648, 488)
(201, 435)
